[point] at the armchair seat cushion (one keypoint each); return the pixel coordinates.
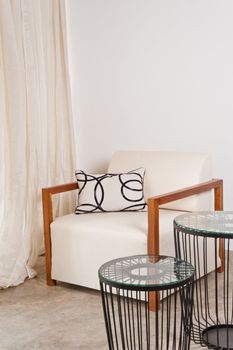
(81, 244)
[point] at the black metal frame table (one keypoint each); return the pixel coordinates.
(126, 286)
(199, 237)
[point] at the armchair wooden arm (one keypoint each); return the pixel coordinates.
(155, 202)
(48, 219)
(153, 220)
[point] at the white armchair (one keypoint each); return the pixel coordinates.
(76, 245)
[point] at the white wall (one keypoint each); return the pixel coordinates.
(153, 74)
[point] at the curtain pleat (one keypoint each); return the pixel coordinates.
(36, 129)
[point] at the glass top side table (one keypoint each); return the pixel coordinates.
(125, 286)
(199, 238)
(146, 272)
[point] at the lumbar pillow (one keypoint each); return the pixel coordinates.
(110, 192)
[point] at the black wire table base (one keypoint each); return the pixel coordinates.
(131, 325)
(221, 334)
(212, 324)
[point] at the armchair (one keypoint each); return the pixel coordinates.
(76, 245)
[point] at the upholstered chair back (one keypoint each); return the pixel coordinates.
(167, 172)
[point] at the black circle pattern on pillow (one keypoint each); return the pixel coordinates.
(129, 184)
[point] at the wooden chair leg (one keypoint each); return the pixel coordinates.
(154, 301)
(51, 282)
(221, 255)
(218, 205)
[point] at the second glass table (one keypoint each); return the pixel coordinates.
(204, 239)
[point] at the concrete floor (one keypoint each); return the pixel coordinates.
(34, 316)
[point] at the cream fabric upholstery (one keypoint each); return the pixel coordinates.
(168, 171)
(82, 243)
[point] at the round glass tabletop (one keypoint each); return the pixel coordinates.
(209, 223)
(144, 272)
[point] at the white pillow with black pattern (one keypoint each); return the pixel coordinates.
(110, 192)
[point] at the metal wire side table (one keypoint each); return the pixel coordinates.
(199, 237)
(125, 287)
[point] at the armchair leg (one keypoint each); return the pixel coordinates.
(218, 205)
(51, 282)
(153, 247)
(154, 301)
(221, 255)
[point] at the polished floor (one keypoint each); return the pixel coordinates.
(34, 316)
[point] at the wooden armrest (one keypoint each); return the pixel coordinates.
(61, 188)
(153, 217)
(48, 219)
(47, 199)
(155, 202)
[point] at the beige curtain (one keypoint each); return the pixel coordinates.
(36, 132)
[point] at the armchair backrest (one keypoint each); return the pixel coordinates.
(167, 172)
